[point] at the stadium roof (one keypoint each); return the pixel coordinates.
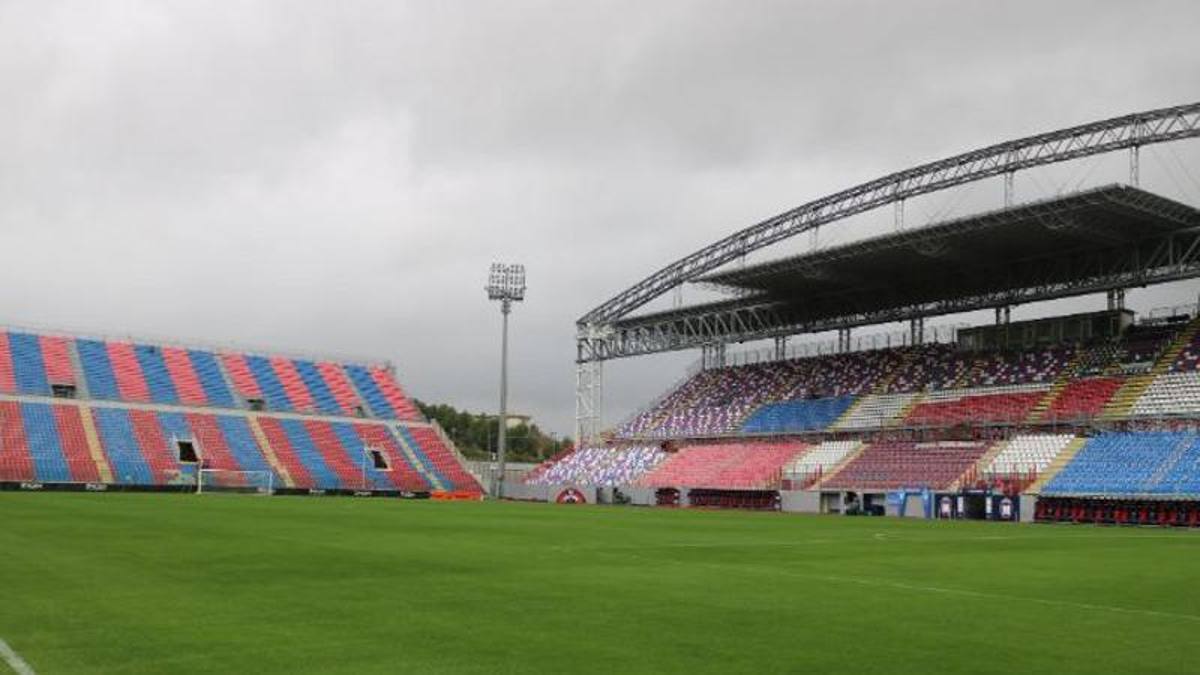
(983, 253)
(1101, 239)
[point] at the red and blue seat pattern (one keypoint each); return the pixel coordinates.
(47, 441)
(145, 373)
(84, 410)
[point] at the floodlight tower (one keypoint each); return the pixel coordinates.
(506, 283)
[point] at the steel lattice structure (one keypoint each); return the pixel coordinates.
(598, 335)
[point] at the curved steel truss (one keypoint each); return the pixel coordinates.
(1129, 131)
(607, 332)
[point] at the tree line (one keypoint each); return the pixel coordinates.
(475, 434)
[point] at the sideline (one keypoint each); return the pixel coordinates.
(14, 660)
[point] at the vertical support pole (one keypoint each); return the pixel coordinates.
(502, 432)
(843, 345)
(1135, 169)
(899, 215)
(780, 348)
(589, 392)
(1009, 195)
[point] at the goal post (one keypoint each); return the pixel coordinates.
(228, 480)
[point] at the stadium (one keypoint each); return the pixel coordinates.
(378, 535)
(858, 336)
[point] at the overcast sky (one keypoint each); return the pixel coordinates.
(335, 177)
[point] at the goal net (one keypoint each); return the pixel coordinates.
(226, 480)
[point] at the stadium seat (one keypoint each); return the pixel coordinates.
(801, 415)
(1132, 464)
(1083, 398)
(1009, 403)
(810, 467)
(726, 466)
(896, 465)
(600, 466)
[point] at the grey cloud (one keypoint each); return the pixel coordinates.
(335, 177)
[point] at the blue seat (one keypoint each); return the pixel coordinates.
(41, 437)
(797, 415)
(97, 369)
(370, 391)
(209, 371)
(321, 395)
(306, 451)
(158, 378)
(29, 366)
(268, 383)
(124, 454)
(1132, 463)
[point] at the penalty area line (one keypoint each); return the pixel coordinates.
(14, 660)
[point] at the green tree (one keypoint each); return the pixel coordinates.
(475, 434)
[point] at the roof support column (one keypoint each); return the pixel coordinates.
(1009, 196)
(1116, 299)
(916, 331)
(781, 347)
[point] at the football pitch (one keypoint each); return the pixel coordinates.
(129, 583)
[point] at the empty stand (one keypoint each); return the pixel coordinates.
(8, 382)
(802, 415)
(1028, 453)
(97, 369)
(135, 402)
(29, 368)
(1083, 398)
(296, 390)
(875, 411)
(1171, 394)
(339, 386)
(727, 466)
(124, 454)
(600, 466)
(1130, 464)
(447, 467)
(56, 352)
(131, 383)
(68, 422)
(1005, 404)
(404, 474)
(807, 469)
(184, 378)
(402, 407)
(16, 464)
(318, 391)
(895, 465)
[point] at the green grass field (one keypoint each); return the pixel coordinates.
(177, 583)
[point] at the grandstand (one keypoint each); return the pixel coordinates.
(80, 412)
(1085, 407)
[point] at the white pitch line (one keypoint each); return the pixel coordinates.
(939, 590)
(14, 660)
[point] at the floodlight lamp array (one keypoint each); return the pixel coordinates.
(506, 282)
